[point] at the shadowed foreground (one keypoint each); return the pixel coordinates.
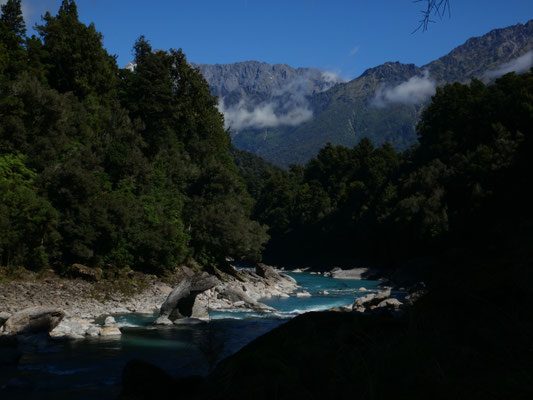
(458, 342)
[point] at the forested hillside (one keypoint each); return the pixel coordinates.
(463, 184)
(108, 167)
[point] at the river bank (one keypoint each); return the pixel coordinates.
(84, 299)
(73, 305)
(92, 366)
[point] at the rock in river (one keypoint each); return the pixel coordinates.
(180, 302)
(71, 328)
(34, 320)
(110, 331)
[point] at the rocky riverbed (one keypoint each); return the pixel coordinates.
(67, 308)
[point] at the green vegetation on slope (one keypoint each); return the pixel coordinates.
(109, 167)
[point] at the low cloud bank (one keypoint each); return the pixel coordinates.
(331, 78)
(262, 116)
(519, 65)
(416, 90)
(287, 106)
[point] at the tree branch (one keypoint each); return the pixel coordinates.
(433, 8)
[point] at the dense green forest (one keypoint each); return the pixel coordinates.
(463, 184)
(107, 167)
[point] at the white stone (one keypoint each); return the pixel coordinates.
(73, 328)
(93, 331)
(110, 331)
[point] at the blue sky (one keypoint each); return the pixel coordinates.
(343, 36)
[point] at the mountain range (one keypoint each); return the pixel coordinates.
(286, 115)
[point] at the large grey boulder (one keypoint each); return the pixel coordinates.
(390, 304)
(236, 295)
(71, 328)
(272, 275)
(355, 273)
(265, 271)
(180, 302)
(371, 299)
(34, 320)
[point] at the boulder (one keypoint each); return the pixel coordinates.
(200, 308)
(303, 294)
(85, 273)
(363, 301)
(181, 301)
(233, 294)
(110, 321)
(272, 276)
(267, 272)
(110, 331)
(390, 303)
(383, 295)
(3, 318)
(34, 320)
(93, 331)
(371, 299)
(162, 320)
(355, 273)
(71, 328)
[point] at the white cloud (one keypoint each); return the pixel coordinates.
(286, 106)
(331, 77)
(416, 90)
(519, 65)
(262, 116)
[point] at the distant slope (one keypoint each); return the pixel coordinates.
(256, 82)
(286, 115)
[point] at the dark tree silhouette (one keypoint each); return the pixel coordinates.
(433, 8)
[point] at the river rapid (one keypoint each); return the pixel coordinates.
(91, 368)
